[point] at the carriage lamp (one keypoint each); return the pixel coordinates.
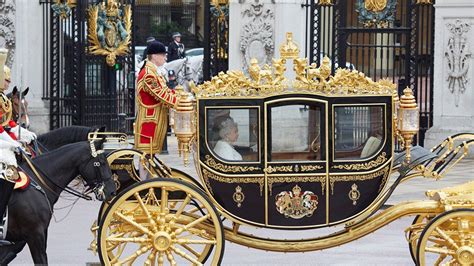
(408, 119)
(184, 126)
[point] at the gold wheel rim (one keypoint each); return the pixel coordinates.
(449, 240)
(139, 227)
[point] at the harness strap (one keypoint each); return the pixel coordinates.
(34, 168)
(40, 178)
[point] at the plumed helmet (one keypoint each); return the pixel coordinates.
(155, 47)
(7, 73)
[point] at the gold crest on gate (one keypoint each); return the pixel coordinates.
(109, 30)
(296, 204)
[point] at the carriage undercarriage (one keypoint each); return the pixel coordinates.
(445, 219)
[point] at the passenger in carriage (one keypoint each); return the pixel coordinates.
(228, 134)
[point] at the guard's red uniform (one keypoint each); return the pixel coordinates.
(154, 99)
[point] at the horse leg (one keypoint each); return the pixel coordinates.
(37, 245)
(8, 253)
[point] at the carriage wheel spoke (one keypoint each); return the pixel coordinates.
(164, 200)
(192, 224)
(128, 239)
(183, 205)
(446, 237)
(440, 259)
(161, 258)
(195, 241)
(135, 255)
(147, 213)
(170, 258)
(150, 261)
(190, 249)
(440, 251)
(133, 223)
(186, 256)
(196, 209)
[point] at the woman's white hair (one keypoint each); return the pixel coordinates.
(226, 126)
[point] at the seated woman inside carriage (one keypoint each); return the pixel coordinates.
(228, 135)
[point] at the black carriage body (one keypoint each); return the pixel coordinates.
(292, 175)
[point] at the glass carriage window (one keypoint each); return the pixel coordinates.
(232, 133)
(296, 133)
(358, 131)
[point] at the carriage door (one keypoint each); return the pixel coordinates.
(295, 162)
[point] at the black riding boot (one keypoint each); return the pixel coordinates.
(6, 189)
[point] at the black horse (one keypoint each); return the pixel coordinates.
(62, 136)
(30, 211)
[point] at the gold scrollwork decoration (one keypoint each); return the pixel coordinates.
(354, 194)
(364, 166)
(295, 179)
(126, 167)
(228, 168)
(109, 30)
(232, 180)
(424, 2)
(325, 2)
(238, 196)
(354, 177)
(282, 168)
(309, 168)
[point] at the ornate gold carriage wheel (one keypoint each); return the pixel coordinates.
(448, 239)
(415, 230)
(158, 220)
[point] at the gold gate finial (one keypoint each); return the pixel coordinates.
(289, 49)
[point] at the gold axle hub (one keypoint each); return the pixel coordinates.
(161, 241)
(465, 255)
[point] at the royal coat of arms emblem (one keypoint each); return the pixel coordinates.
(109, 30)
(376, 12)
(296, 204)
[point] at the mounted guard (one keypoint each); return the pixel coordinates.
(8, 163)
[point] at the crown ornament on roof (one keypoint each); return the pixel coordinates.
(308, 78)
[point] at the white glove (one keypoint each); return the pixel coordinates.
(4, 137)
(26, 135)
(7, 154)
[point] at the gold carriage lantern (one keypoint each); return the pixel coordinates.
(408, 119)
(184, 126)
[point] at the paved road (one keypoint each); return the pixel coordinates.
(69, 239)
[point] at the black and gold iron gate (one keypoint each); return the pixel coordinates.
(216, 37)
(82, 88)
(382, 38)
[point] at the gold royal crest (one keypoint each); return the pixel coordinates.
(296, 204)
(109, 30)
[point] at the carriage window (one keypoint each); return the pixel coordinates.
(232, 133)
(296, 133)
(358, 132)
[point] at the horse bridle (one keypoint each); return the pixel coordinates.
(99, 187)
(99, 184)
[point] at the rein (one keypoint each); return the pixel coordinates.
(36, 170)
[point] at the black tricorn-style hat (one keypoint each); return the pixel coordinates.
(155, 47)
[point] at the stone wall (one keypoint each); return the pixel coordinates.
(453, 70)
(21, 31)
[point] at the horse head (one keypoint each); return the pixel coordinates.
(20, 105)
(96, 172)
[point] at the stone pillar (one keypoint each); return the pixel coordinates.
(453, 70)
(28, 62)
(258, 27)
